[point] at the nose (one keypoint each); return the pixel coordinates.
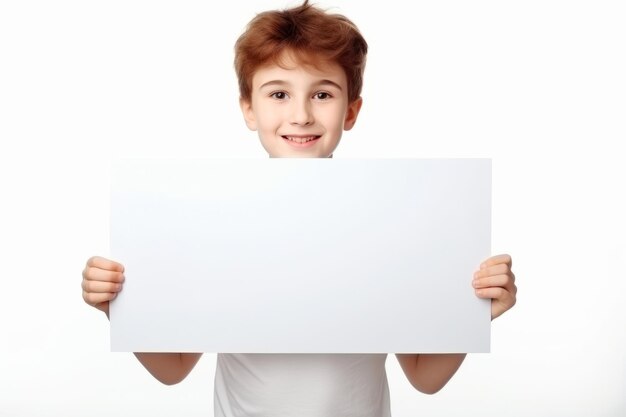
(301, 113)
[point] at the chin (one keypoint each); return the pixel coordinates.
(290, 153)
(298, 155)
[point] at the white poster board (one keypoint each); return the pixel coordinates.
(300, 255)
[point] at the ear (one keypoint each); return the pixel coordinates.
(248, 114)
(352, 113)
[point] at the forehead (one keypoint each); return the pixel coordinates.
(293, 70)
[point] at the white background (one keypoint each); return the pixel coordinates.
(538, 86)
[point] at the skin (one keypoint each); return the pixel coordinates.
(494, 280)
(300, 101)
(305, 102)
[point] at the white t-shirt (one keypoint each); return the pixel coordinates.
(301, 385)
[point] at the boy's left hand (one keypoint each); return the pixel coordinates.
(495, 280)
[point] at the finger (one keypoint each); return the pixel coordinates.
(93, 298)
(104, 263)
(501, 280)
(498, 259)
(511, 284)
(497, 294)
(498, 269)
(100, 286)
(97, 274)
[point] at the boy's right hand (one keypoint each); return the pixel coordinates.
(102, 280)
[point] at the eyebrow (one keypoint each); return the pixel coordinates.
(282, 83)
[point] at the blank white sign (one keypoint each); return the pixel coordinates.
(300, 255)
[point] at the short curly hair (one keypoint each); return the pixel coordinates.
(307, 32)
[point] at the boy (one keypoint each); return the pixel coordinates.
(300, 74)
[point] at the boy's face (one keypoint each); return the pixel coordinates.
(300, 111)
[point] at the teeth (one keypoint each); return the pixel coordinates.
(300, 140)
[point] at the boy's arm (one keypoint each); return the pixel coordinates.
(102, 281)
(429, 373)
(169, 368)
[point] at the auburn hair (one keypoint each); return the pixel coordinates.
(311, 35)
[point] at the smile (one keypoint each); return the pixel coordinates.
(300, 139)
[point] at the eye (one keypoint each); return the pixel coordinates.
(322, 95)
(279, 95)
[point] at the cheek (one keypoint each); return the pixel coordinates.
(335, 121)
(268, 119)
(330, 116)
